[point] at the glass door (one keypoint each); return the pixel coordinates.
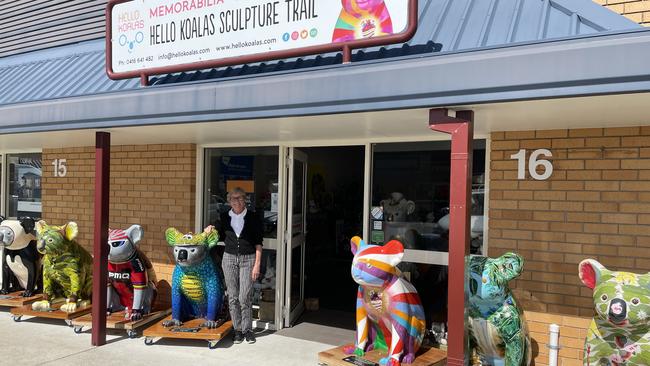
(295, 236)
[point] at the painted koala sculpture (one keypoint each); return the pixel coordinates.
(67, 267)
(389, 310)
(619, 333)
(362, 19)
(131, 280)
(21, 262)
(496, 324)
(196, 287)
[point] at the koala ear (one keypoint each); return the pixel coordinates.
(410, 207)
(70, 230)
(40, 226)
(513, 265)
(173, 236)
(355, 244)
(395, 251)
(590, 272)
(27, 223)
(135, 234)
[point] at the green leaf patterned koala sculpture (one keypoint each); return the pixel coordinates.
(497, 327)
(619, 333)
(67, 267)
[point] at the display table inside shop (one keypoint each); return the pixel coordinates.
(15, 299)
(336, 357)
(189, 330)
(54, 313)
(118, 321)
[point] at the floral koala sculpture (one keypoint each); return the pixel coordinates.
(67, 267)
(389, 310)
(196, 287)
(497, 327)
(619, 333)
(131, 280)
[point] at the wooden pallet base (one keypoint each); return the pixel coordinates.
(336, 356)
(211, 335)
(55, 313)
(117, 321)
(15, 299)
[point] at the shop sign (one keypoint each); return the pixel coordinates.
(162, 36)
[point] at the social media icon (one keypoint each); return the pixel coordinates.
(313, 32)
(294, 35)
(285, 37)
(304, 34)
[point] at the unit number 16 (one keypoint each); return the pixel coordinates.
(533, 163)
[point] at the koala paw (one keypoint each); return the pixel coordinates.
(172, 323)
(3, 292)
(409, 358)
(69, 307)
(27, 293)
(210, 324)
(42, 305)
(349, 349)
(136, 314)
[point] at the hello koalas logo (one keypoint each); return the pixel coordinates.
(360, 19)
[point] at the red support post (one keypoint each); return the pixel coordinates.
(100, 245)
(461, 129)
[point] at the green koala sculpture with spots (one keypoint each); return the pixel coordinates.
(496, 323)
(67, 267)
(619, 333)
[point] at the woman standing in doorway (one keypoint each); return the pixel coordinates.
(241, 230)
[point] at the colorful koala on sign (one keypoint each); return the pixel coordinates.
(389, 310)
(21, 262)
(131, 280)
(619, 333)
(362, 19)
(497, 327)
(67, 267)
(196, 287)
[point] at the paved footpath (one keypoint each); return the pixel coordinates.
(49, 342)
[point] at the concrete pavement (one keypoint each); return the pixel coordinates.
(50, 342)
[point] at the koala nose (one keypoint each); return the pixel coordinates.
(617, 310)
(182, 255)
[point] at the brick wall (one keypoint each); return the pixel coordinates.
(151, 185)
(595, 205)
(573, 331)
(636, 10)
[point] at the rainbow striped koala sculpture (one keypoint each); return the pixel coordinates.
(389, 310)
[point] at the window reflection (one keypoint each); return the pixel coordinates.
(410, 195)
(24, 185)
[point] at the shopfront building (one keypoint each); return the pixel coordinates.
(319, 147)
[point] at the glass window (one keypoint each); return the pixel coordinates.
(24, 185)
(410, 195)
(253, 169)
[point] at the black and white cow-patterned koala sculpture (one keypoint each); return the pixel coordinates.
(21, 262)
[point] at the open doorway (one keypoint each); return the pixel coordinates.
(334, 215)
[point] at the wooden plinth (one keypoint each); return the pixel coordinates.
(55, 313)
(15, 299)
(158, 331)
(117, 321)
(425, 357)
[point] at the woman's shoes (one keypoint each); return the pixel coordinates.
(250, 337)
